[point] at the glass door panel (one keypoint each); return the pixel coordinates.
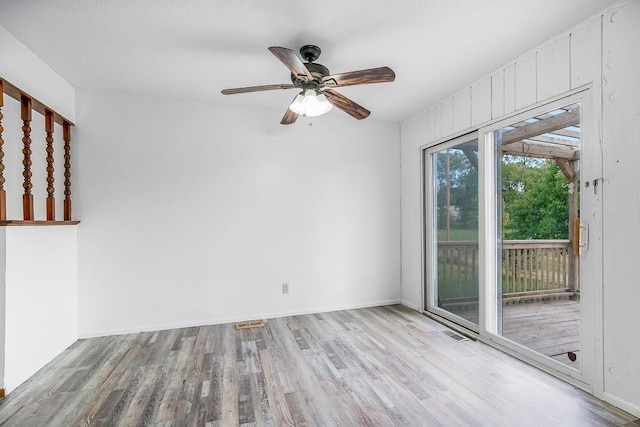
(539, 269)
(453, 230)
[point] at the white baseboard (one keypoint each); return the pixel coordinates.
(622, 404)
(218, 321)
(410, 305)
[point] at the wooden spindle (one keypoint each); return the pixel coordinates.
(27, 197)
(3, 193)
(51, 201)
(66, 134)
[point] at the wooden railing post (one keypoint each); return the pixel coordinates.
(574, 257)
(3, 193)
(66, 127)
(51, 201)
(27, 197)
(28, 106)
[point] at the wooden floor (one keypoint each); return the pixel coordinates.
(549, 327)
(378, 366)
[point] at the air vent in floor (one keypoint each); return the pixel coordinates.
(453, 335)
(249, 325)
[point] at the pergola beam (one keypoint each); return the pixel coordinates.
(569, 133)
(547, 125)
(541, 150)
(555, 141)
(569, 169)
(471, 155)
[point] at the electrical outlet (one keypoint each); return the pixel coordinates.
(285, 288)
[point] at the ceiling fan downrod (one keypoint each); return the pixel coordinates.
(310, 52)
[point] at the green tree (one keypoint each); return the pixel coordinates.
(466, 199)
(463, 182)
(536, 204)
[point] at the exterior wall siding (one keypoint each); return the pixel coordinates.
(602, 52)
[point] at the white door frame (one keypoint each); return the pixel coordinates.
(489, 286)
(430, 236)
(589, 376)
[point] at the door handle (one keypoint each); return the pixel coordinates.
(580, 237)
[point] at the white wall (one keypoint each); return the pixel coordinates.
(28, 72)
(603, 52)
(3, 292)
(621, 117)
(41, 298)
(38, 265)
(25, 70)
(196, 214)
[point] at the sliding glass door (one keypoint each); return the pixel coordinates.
(506, 252)
(452, 201)
(539, 272)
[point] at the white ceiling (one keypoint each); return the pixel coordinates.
(195, 48)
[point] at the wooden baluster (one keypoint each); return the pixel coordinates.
(474, 256)
(3, 193)
(538, 267)
(51, 201)
(519, 269)
(525, 270)
(513, 270)
(66, 134)
(534, 284)
(27, 197)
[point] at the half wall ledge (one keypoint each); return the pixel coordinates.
(16, 223)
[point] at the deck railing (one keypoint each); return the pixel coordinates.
(457, 269)
(527, 266)
(535, 265)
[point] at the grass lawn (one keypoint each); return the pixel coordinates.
(457, 235)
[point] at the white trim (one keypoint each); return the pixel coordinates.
(411, 306)
(487, 223)
(622, 404)
(223, 320)
(423, 231)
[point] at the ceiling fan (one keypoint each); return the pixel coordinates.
(316, 84)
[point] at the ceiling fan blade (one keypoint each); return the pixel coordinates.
(345, 104)
(289, 117)
(291, 60)
(256, 88)
(361, 77)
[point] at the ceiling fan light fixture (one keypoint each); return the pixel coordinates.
(318, 96)
(296, 104)
(310, 103)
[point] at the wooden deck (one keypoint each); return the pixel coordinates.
(549, 327)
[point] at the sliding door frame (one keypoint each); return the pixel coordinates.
(489, 331)
(430, 249)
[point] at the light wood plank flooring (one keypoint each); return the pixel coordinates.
(378, 366)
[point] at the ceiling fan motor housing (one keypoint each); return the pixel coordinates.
(310, 52)
(318, 71)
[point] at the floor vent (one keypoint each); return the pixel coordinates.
(249, 325)
(453, 335)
